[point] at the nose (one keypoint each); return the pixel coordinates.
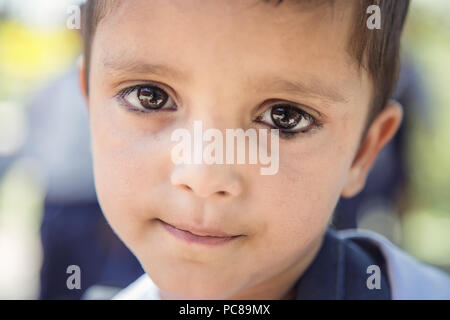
(207, 180)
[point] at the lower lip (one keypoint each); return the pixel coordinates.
(192, 238)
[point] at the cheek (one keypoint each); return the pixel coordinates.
(128, 163)
(298, 202)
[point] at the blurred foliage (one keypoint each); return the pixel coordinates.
(428, 41)
(427, 222)
(29, 56)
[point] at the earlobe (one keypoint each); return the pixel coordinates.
(381, 131)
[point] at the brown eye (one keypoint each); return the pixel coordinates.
(288, 117)
(152, 97)
(146, 98)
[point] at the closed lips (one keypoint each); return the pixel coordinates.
(201, 232)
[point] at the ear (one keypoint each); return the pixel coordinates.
(381, 131)
(82, 79)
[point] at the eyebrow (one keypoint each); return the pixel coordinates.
(120, 66)
(312, 88)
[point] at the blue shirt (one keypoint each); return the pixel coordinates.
(339, 271)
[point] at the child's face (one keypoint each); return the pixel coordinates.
(228, 59)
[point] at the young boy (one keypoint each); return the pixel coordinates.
(312, 69)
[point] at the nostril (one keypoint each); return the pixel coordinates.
(222, 193)
(187, 187)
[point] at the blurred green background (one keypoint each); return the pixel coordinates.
(33, 51)
(426, 226)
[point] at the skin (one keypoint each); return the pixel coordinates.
(227, 51)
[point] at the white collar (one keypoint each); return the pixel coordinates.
(143, 288)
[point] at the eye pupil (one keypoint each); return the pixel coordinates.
(286, 117)
(151, 97)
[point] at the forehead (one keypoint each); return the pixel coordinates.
(256, 20)
(201, 38)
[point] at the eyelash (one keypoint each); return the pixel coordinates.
(120, 97)
(284, 134)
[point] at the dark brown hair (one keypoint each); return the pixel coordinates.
(377, 51)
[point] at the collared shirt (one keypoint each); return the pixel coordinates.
(344, 270)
